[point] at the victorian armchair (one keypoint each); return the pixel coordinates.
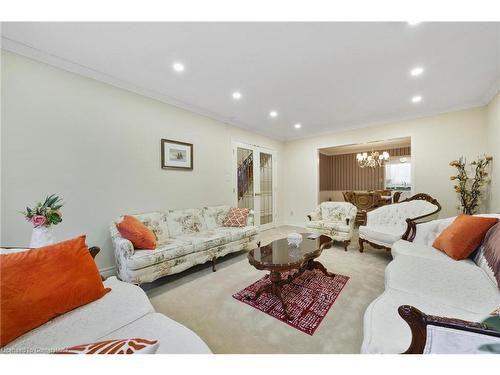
(334, 219)
(390, 223)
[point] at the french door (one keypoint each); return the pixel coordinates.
(255, 182)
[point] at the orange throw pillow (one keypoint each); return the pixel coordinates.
(38, 285)
(464, 235)
(137, 233)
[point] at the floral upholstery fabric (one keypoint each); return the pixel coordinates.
(176, 265)
(156, 223)
(214, 216)
(238, 233)
(339, 227)
(334, 219)
(185, 221)
(169, 250)
(206, 239)
(337, 211)
(184, 241)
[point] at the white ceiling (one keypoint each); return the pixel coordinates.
(327, 76)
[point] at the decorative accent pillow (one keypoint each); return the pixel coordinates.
(491, 250)
(38, 285)
(236, 217)
(119, 346)
(137, 233)
(464, 235)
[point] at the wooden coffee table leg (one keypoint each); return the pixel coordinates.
(314, 264)
(274, 288)
(262, 289)
(277, 283)
(277, 293)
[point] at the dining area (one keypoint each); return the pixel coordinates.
(369, 175)
(369, 200)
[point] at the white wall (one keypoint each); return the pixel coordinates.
(493, 124)
(98, 147)
(435, 141)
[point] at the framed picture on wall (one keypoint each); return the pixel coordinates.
(176, 155)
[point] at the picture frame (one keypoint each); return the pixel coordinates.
(176, 155)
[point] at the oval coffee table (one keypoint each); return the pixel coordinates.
(279, 256)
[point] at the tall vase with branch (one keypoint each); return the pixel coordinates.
(470, 182)
(44, 216)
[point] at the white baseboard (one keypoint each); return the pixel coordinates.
(107, 271)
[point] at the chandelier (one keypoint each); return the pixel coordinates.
(374, 160)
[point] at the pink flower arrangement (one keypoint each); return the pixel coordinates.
(38, 220)
(45, 214)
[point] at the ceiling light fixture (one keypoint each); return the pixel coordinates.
(417, 71)
(414, 23)
(416, 99)
(273, 114)
(236, 95)
(297, 126)
(178, 67)
(373, 160)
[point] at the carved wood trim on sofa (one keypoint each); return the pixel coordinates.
(411, 223)
(418, 322)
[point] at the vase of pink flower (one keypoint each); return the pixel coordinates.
(44, 216)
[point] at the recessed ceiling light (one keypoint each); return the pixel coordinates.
(415, 72)
(416, 99)
(273, 114)
(297, 126)
(236, 95)
(178, 67)
(414, 23)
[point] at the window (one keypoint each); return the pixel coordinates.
(398, 173)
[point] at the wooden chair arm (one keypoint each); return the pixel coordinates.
(418, 322)
(94, 250)
(411, 230)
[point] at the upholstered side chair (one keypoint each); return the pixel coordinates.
(335, 220)
(390, 223)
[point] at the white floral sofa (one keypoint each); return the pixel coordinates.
(184, 238)
(387, 224)
(334, 219)
(426, 278)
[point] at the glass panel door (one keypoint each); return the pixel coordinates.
(245, 180)
(255, 182)
(266, 188)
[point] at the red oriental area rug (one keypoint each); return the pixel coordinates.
(308, 299)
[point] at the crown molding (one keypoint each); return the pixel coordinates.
(36, 54)
(491, 92)
(390, 120)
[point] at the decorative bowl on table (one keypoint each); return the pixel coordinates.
(294, 239)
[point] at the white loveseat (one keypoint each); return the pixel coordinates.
(429, 280)
(388, 224)
(124, 312)
(184, 238)
(334, 219)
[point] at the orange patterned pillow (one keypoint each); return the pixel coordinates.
(236, 217)
(137, 233)
(464, 235)
(120, 346)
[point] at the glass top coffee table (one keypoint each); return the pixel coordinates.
(279, 257)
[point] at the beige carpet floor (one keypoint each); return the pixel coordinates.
(202, 300)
